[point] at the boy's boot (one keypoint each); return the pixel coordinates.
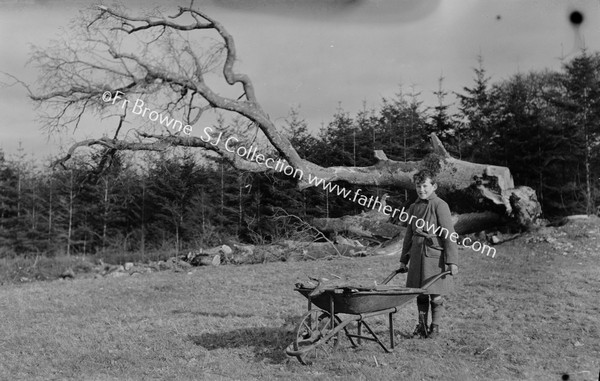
(423, 307)
(437, 311)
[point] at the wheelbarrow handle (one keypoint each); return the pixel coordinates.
(425, 286)
(390, 277)
(435, 278)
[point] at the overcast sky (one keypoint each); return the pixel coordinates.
(318, 53)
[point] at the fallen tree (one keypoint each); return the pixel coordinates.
(485, 193)
(115, 54)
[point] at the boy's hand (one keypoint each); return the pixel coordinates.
(452, 268)
(402, 269)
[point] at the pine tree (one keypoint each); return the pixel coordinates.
(528, 138)
(298, 134)
(581, 102)
(403, 127)
(475, 109)
(441, 122)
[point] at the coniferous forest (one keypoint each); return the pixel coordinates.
(543, 125)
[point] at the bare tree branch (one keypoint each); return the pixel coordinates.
(16, 81)
(280, 213)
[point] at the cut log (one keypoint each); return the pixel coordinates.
(525, 205)
(367, 225)
(205, 260)
(576, 217)
(498, 238)
(317, 250)
(371, 226)
(208, 257)
(475, 222)
(391, 247)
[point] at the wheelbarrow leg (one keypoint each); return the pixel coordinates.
(332, 311)
(391, 330)
(349, 336)
(375, 338)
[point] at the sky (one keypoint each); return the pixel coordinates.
(318, 54)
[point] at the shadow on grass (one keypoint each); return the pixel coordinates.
(269, 343)
(212, 314)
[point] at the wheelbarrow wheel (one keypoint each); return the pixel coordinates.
(311, 336)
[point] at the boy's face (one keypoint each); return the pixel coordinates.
(425, 189)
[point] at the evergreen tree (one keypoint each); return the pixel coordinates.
(9, 221)
(403, 127)
(528, 137)
(298, 134)
(441, 121)
(173, 183)
(474, 105)
(581, 103)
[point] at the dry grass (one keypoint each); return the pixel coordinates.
(21, 269)
(530, 313)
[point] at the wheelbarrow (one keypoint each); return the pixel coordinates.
(318, 333)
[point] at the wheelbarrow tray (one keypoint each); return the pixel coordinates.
(349, 301)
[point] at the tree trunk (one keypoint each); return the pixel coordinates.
(143, 222)
(50, 209)
(70, 230)
(33, 204)
(105, 214)
(484, 196)
(176, 237)
(369, 226)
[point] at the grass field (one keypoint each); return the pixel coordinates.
(531, 313)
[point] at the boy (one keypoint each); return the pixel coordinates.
(429, 250)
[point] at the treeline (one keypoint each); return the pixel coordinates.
(543, 125)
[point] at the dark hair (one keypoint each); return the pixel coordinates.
(422, 176)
